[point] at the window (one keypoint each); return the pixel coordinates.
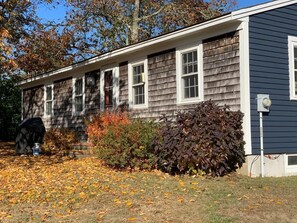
(49, 100)
(138, 87)
(138, 84)
(291, 163)
(78, 95)
(292, 160)
(293, 66)
(189, 75)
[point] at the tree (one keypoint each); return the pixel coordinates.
(44, 50)
(16, 19)
(10, 107)
(101, 25)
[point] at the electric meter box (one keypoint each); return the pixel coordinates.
(263, 102)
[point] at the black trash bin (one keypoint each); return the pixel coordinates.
(29, 131)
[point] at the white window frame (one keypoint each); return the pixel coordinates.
(292, 43)
(45, 100)
(145, 83)
(74, 112)
(179, 86)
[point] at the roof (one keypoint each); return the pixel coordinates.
(237, 15)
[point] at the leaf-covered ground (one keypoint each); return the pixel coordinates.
(43, 189)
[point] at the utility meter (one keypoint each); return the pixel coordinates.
(263, 102)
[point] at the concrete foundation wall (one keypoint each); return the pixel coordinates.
(275, 165)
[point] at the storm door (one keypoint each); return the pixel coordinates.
(108, 89)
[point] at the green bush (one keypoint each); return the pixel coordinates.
(207, 139)
(127, 145)
(59, 141)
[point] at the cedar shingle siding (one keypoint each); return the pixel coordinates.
(33, 102)
(62, 103)
(221, 70)
(221, 84)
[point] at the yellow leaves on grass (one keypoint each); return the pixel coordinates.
(73, 180)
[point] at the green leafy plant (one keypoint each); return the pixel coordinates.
(59, 141)
(208, 138)
(125, 144)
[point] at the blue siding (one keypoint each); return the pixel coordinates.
(269, 74)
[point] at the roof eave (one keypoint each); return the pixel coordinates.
(129, 49)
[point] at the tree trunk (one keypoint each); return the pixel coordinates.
(135, 23)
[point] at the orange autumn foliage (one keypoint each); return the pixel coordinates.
(97, 126)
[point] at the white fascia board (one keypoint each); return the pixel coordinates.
(138, 46)
(261, 8)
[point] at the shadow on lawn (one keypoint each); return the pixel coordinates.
(8, 156)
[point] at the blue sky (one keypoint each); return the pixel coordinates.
(58, 13)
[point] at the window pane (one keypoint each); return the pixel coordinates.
(190, 86)
(295, 52)
(48, 93)
(137, 74)
(138, 94)
(78, 87)
(295, 64)
(49, 108)
(184, 59)
(189, 62)
(190, 57)
(292, 160)
(78, 104)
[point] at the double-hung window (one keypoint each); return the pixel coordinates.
(78, 95)
(138, 84)
(189, 75)
(49, 100)
(293, 66)
(138, 89)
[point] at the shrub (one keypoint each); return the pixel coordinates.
(59, 141)
(124, 143)
(208, 139)
(97, 127)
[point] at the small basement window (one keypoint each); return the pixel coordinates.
(292, 160)
(291, 163)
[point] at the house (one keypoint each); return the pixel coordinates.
(230, 60)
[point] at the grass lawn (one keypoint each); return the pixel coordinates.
(43, 189)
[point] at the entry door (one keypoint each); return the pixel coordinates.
(108, 89)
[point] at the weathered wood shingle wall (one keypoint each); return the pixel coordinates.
(221, 70)
(161, 86)
(33, 102)
(221, 77)
(62, 103)
(92, 93)
(123, 86)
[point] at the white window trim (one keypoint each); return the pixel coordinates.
(130, 83)
(292, 42)
(116, 86)
(45, 101)
(187, 48)
(80, 76)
